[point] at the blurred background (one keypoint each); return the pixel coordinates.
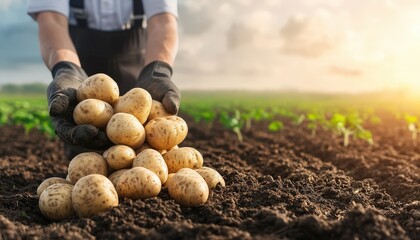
(324, 46)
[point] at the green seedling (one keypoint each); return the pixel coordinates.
(348, 125)
(233, 122)
(275, 126)
(412, 125)
(315, 120)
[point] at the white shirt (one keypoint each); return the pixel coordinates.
(106, 15)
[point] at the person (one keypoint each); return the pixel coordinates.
(135, 42)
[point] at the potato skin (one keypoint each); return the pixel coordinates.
(145, 146)
(94, 112)
(113, 177)
(48, 182)
(170, 176)
(98, 86)
(138, 183)
(211, 176)
(157, 110)
(55, 201)
(125, 129)
(163, 133)
(152, 160)
(93, 194)
(119, 156)
(87, 163)
(188, 188)
(137, 102)
(184, 157)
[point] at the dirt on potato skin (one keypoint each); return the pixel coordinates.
(284, 185)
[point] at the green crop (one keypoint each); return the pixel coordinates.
(350, 124)
(314, 121)
(412, 125)
(275, 126)
(254, 114)
(28, 115)
(233, 122)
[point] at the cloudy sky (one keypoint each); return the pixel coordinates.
(305, 45)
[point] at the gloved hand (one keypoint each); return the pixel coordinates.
(156, 79)
(61, 94)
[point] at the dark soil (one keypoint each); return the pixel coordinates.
(284, 185)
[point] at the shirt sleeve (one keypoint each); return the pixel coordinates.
(36, 6)
(153, 7)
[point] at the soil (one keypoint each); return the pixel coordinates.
(283, 185)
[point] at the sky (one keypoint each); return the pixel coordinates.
(299, 45)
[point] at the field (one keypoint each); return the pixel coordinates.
(296, 166)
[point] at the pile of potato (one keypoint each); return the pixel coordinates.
(144, 159)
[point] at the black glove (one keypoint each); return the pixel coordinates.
(61, 93)
(156, 79)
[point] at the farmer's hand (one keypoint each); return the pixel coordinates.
(156, 79)
(61, 93)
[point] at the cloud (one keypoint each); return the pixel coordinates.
(192, 21)
(344, 71)
(308, 36)
(238, 35)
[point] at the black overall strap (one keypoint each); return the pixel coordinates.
(78, 9)
(138, 13)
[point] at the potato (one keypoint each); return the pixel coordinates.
(165, 151)
(125, 129)
(184, 157)
(94, 112)
(86, 163)
(55, 201)
(188, 188)
(157, 110)
(98, 86)
(174, 147)
(211, 176)
(145, 146)
(115, 176)
(163, 133)
(137, 102)
(170, 176)
(152, 160)
(119, 156)
(48, 182)
(138, 183)
(93, 194)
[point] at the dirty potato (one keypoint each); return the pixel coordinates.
(138, 183)
(152, 160)
(137, 102)
(98, 86)
(93, 194)
(211, 176)
(188, 188)
(55, 202)
(145, 146)
(163, 133)
(48, 182)
(119, 156)
(184, 157)
(125, 129)
(87, 163)
(113, 177)
(157, 110)
(170, 176)
(94, 112)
